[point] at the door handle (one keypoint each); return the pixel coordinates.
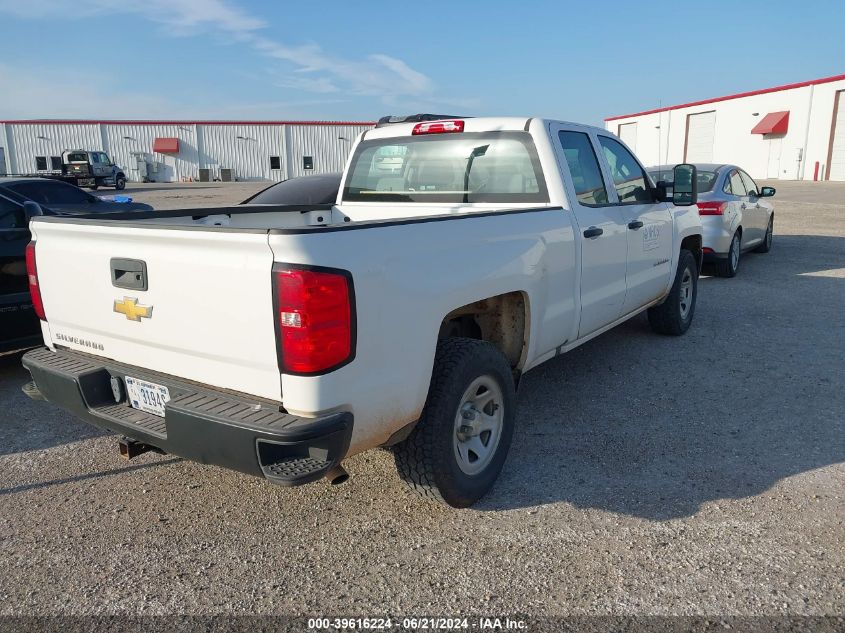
(593, 232)
(635, 224)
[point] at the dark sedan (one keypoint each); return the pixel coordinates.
(19, 327)
(56, 197)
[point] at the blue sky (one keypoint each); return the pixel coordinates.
(240, 59)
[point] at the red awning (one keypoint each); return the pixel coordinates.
(166, 145)
(773, 123)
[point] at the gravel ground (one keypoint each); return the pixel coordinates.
(649, 475)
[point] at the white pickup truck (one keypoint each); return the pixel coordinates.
(279, 341)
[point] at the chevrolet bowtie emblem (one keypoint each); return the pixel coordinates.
(130, 308)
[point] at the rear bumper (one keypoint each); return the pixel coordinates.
(201, 423)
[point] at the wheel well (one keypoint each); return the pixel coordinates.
(501, 320)
(692, 243)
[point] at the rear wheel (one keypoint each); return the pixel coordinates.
(729, 266)
(458, 448)
(94, 187)
(674, 315)
(766, 245)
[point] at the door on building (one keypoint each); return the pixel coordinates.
(701, 129)
(836, 160)
(775, 146)
(628, 134)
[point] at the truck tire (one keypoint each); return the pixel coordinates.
(458, 447)
(120, 183)
(766, 244)
(728, 267)
(674, 315)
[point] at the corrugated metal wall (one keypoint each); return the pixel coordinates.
(125, 139)
(30, 140)
(327, 145)
(245, 147)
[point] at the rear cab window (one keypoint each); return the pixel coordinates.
(584, 169)
(483, 167)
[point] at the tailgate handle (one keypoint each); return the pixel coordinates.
(128, 273)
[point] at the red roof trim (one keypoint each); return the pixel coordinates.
(803, 84)
(150, 122)
(773, 123)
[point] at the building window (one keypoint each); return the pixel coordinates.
(307, 162)
(275, 162)
(41, 163)
(56, 163)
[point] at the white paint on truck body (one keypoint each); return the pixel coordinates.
(211, 286)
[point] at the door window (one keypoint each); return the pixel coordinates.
(750, 185)
(629, 178)
(735, 184)
(11, 215)
(584, 168)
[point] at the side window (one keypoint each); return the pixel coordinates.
(11, 215)
(628, 176)
(750, 185)
(584, 168)
(104, 159)
(737, 187)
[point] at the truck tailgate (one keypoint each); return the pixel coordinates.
(208, 316)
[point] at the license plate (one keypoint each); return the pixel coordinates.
(85, 182)
(147, 396)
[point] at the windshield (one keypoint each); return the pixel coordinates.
(706, 179)
(472, 167)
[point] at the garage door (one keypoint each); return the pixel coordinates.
(700, 130)
(628, 134)
(836, 170)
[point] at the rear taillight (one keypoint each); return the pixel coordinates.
(314, 319)
(32, 275)
(438, 127)
(712, 208)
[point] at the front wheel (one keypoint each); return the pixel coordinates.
(674, 315)
(458, 447)
(120, 183)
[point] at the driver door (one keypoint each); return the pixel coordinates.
(648, 225)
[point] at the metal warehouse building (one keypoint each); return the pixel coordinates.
(792, 132)
(173, 151)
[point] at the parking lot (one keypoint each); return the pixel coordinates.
(701, 475)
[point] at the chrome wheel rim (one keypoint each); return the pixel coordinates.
(685, 302)
(735, 252)
(478, 425)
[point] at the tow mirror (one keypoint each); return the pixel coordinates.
(32, 209)
(685, 185)
(767, 192)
